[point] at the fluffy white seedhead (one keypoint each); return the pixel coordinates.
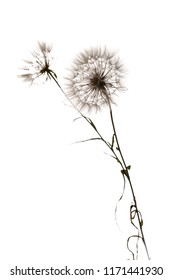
(38, 68)
(95, 77)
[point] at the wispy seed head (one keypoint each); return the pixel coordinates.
(39, 65)
(95, 77)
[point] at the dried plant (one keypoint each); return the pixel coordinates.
(39, 65)
(95, 77)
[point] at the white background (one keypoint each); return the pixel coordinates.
(57, 200)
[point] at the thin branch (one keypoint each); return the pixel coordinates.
(125, 168)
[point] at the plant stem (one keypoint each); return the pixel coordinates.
(87, 119)
(128, 177)
(52, 75)
(122, 163)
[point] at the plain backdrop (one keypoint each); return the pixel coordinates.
(58, 199)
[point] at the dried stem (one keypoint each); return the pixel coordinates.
(120, 160)
(87, 119)
(126, 169)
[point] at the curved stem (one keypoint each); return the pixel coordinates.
(128, 177)
(51, 73)
(122, 163)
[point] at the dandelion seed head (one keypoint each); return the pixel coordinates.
(95, 77)
(38, 68)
